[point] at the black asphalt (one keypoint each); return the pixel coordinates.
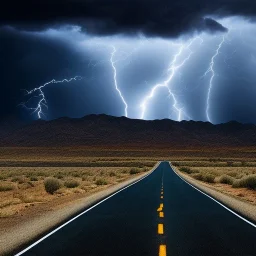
(126, 224)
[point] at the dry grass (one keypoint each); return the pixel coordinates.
(21, 187)
(237, 176)
(85, 170)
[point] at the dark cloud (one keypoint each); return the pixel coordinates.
(151, 17)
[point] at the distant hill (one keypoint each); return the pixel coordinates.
(120, 131)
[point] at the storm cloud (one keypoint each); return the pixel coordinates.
(107, 17)
(62, 39)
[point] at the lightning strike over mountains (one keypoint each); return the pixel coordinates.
(42, 103)
(211, 70)
(173, 68)
(112, 61)
(184, 69)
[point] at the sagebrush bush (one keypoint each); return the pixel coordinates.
(59, 176)
(6, 187)
(145, 169)
(19, 179)
(186, 170)
(112, 174)
(51, 185)
(33, 178)
(101, 182)
(206, 177)
(226, 179)
(134, 170)
(71, 183)
(246, 182)
(198, 176)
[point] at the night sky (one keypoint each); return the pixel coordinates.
(148, 59)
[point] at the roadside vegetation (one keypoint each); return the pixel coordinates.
(23, 187)
(233, 176)
(30, 177)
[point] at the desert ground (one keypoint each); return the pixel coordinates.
(34, 179)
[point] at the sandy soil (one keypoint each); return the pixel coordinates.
(20, 230)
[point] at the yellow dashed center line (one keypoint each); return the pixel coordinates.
(161, 214)
(162, 250)
(160, 229)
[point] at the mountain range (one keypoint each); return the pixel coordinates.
(104, 130)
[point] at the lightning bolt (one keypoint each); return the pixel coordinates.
(42, 103)
(113, 62)
(172, 70)
(211, 70)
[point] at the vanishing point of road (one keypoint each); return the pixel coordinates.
(159, 215)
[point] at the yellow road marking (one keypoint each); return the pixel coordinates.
(162, 250)
(160, 229)
(161, 214)
(160, 208)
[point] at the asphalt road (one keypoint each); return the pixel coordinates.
(160, 215)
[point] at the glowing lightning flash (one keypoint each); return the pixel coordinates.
(172, 71)
(115, 79)
(42, 103)
(211, 70)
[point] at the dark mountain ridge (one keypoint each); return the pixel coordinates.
(109, 130)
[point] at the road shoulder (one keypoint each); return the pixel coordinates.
(17, 237)
(244, 209)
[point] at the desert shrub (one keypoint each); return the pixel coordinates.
(186, 170)
(246, 182)
(112, 174)
(101, 182)
(6, 187)
(2, 177)
(19, 179)
(206, 177)
(198, 176)
(145, 169)
(134, 170)
(51, 185)
(233, 174)
(33, 178)
(76, 174)
(71, 183)
(84, 178)
(59, 176)
(226, 179)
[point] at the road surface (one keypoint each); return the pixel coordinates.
(160, 215)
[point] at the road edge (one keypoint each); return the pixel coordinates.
(18, 247)
(239, 208)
